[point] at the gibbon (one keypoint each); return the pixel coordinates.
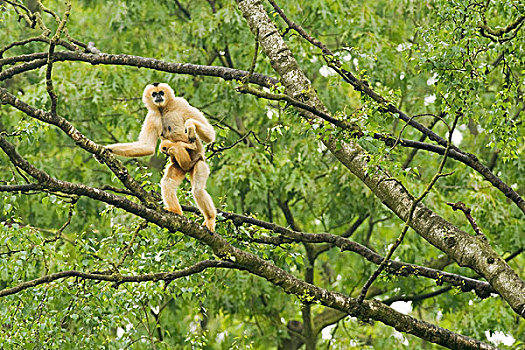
(182, 154)
(181, 128)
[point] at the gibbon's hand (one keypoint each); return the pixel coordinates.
(189, 129)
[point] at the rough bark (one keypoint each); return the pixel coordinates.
(40, 59)
(290, 284)
(466, 250)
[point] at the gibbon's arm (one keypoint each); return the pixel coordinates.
(145, 146)
(197, 123)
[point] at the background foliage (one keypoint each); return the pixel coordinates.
(429, 57)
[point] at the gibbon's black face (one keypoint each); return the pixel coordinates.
(158, 97)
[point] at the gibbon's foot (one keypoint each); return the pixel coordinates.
(210, 225)
(177, 211)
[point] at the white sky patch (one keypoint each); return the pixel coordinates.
(120, 332)
(457, 137)
(400, 337)
(405, 307)
(221, 336)
(432, 80)
(355, 62)
(314, 59)
(430, 99)
(327, 332)
(439, 315)
(326, 71)
(347, 57)
(402, 76)
(270, 113)
(403, 46)
(500, 337)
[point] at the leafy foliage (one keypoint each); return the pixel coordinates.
(428, 58)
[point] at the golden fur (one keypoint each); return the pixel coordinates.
(181, 127)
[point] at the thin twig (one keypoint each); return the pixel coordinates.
(283, 97)
(247, 78)
(467, 211)
(52, 45)
(140, 227)
(406, 226)
(159, 276)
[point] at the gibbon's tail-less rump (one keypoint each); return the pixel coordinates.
(181, 128)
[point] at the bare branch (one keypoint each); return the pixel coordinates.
(282, 97)
(467, 211)
(154, 277)
(52, 44)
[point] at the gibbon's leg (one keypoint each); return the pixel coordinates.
(170, 182)
(198, 177)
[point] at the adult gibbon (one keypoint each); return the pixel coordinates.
(181, 128)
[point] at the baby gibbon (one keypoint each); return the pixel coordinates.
(182, 154)
(181, 127)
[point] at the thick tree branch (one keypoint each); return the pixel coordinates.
(275, 275)
(362, 86)
(151, 63)
(21, 188)
(465, 249)
(113, 164)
